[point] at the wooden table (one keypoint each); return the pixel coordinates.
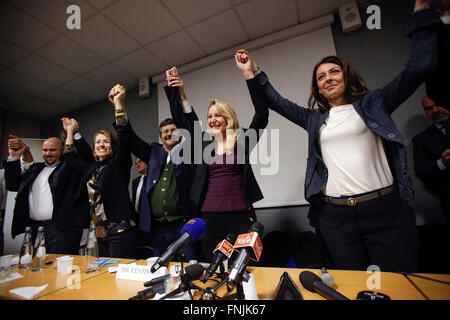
(429, 289)
(50, 276)
(103, 285)
(348, 283)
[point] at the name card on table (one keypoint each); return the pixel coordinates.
(138, 272)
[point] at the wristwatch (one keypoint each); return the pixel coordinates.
(256, 70)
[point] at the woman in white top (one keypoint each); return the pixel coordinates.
(357, 179)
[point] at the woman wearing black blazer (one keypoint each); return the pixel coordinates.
(104, 186)
(224, 187)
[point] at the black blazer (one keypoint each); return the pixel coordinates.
(437, 85)
(64, 182)
(427, 149)
(113, 183)
(243, 146)
(134, 186)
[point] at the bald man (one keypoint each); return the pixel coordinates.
(45, 196)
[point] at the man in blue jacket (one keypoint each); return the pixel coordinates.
(164, 204)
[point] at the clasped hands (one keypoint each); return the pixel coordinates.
(70, 125)
(243, 60)
(16, 147)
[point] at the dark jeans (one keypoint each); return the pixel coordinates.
(162, 234)
(61, 242)
(379, 232)
(121, 245)
(219, 225)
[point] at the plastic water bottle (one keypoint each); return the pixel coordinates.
(327, 278)
(26, 251)
(38, 262)
(91, 251)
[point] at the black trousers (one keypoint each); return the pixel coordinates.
(219, 225)
(163, 234)
(122, 245)
(379, 232)
(56, 241)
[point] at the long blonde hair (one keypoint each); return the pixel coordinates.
(232, 127)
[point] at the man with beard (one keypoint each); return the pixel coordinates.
(44, 196)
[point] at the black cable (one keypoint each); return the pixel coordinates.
(423, 277)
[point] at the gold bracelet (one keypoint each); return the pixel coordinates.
(256, 71)
(69, 148)
(120, 114)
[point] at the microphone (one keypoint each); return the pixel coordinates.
(251, 248)
(191, 273)
(192, 231)
(313, 283)
(157, 280)
(150, 292)
(223, 251)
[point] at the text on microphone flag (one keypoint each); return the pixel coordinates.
(192, 221)
(244, 240)
(257, 248)
(250, 240)
(225, 247)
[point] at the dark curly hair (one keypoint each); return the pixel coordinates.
(355, 87)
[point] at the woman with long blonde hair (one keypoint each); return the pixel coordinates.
(224, 188)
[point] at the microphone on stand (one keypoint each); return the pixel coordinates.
(250, 248)
(223, 251)
(192, 231)
(313, 283)
(192, 272)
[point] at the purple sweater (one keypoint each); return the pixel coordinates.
(225, 185)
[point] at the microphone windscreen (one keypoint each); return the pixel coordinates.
(196, 228)
(257, 227)
(193, 272)
(307, 279)
(231, 238)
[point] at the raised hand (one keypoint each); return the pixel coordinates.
(245, 63)
(65, 123)
(70, 125)
(172, 72)
(16, 147)
(117, 96)
(174, 80)
(421, 4)
(446, 157)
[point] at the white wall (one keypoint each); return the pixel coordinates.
(12, 246)
(289, 65)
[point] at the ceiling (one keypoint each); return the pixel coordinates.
(47, 69)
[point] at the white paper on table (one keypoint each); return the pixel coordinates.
(12, 276)
(27, 292)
